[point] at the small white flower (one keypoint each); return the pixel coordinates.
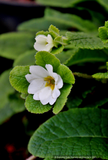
(44, 43)
(44, 84)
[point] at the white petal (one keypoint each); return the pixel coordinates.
(41, 39)
(43, 43)
(48, 47)
(43, 47)
(38, 71)
(45, 93)
(59, 83)
(55, 76)
(49, 39)
(39, 46)
(47, 98)
(52, 100)
(30, 77)
(45, 101)
(36, 96)
(56, 92)
(35, 86)
(49, 68)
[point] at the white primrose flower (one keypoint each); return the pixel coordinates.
(44, 43)
(44, 84)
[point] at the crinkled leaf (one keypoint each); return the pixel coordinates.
(103, 33)
(84, 41)
(86, 55)
(28, 58)
(5, 88)
(106, 24)
(42, 33)
(76, 56)
(76, 133)
(66, 74)
(14, 44)
(62, 98)
(57, 50)
(70, 20)
(18, 80)
(61, 40)
(53, 31)
(43, 58)
(34, 106)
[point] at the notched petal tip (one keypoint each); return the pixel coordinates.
(49, 67)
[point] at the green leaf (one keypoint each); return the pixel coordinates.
(66, 74)
(39, 24)
(71, 20)
(106, 24)
(5, 113)
(53, 31)
(43, 58)
(100, 75)
(104, 3)
(16, 102)
(18, 80)
(87, 94)
(10, 103)
(34, 25)
(107, 65)
(14, 44)
(28, 58)
(5, 88)
(57, 50)
(84, 41)
(62, 98)
(76, 133)
(77, 56)
(79, 94)
(61, 40)
(103, 34)
(48, 159)
(59, 3)
(14, 105)
(42, 32)
(34, 106)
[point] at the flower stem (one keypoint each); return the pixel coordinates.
(31, 158)
(83, 75)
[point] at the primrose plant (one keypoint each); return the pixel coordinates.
(47, 84)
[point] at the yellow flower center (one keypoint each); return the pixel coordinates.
(50, 82)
